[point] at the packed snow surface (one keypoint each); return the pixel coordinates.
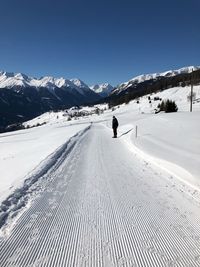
(23, 150)
(73, 196)
(105, 206)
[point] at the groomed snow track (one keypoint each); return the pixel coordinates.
(104, 206)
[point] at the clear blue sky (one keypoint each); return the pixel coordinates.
(98, 40)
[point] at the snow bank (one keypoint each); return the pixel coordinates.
(37, 180)
(22, 151)
(171, 140)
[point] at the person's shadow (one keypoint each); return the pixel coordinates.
(125, 133)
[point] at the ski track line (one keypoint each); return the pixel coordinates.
(35, 211)
(102, 206)
(20, 197)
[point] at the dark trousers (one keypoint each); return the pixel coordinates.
(115, 132)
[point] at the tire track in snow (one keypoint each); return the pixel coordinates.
(104, 207)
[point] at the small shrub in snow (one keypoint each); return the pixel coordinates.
(167, 106)
(97, 111)
(40, 124)
(183, 84)
(171, 106)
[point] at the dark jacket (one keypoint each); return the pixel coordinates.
(115, 123)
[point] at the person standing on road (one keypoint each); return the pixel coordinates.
(114, 126)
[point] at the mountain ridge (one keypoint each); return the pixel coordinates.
(23, 97)
(145, 77)
(103, 89)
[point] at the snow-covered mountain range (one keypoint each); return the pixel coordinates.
(23, 97)
(153, 76)
(102, 89)
(11, 80)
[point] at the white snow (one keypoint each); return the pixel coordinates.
(99, 204)
(92, 200)
(172, 138)
(22, 151)
(10, 79)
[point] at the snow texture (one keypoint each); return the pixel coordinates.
(117, 211)
(73, 196)
(36, 181)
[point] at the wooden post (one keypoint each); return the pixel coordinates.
(136, 131)
(191, 93)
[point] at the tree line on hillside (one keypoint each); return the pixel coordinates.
(137, 90)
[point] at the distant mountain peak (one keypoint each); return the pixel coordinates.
(21, 76)
(26, 96)
(18, 81)
(10, 80)
(79, 83)
(103, 89)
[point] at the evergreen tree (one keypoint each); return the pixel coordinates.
(168, 106)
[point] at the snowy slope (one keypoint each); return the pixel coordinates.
(171, 140)
(158, 134)
(146, 77)
(102, 205)
(77, 197)
(63, 116)
(22, 151)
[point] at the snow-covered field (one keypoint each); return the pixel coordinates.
(24, 151)
(171, 140)
(166, 151)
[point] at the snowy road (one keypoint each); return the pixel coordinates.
(105, 206)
